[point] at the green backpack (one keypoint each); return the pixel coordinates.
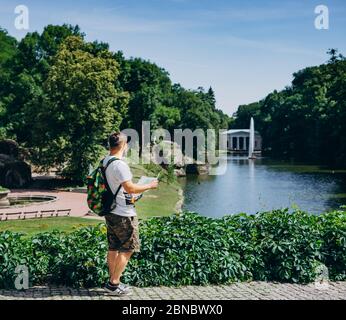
(100, 197)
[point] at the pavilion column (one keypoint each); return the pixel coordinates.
(238, 146)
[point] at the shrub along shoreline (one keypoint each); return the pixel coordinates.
(188, 249)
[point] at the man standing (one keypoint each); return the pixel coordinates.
(122, 222)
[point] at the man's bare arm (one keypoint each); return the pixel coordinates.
(131, 187)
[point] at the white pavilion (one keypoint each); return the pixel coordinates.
(238, 141)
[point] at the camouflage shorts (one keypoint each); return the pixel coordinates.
(122, 233)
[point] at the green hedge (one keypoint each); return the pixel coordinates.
(188, 249)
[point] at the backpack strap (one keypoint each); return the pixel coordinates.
(115, 197)
(103, 169)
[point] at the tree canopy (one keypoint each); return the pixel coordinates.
(307, 120)
(79, 108)
(62, 96)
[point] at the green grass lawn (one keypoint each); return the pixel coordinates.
(159, 202)
(32, 226)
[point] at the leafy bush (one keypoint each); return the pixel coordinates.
(188, 249)
(13, 252)
(333, 232)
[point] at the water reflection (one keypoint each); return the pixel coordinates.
(257, 185)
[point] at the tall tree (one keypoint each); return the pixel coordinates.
(80, 108)
(29, 69)
(8, 49)
(307, 120)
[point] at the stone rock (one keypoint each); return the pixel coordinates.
(180, 172)
(166, 151)
(191, 168)
(4, 202)
(14, 173)
(9, 147)
(203, 169)
(200, 169)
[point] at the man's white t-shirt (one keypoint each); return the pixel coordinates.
(117, 173)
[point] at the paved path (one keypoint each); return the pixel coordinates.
(76, 201)
(237, 291)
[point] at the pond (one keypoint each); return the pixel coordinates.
(263, 184)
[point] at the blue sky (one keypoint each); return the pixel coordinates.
(243, 49)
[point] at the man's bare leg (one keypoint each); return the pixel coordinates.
(111, 260)
(121, 261)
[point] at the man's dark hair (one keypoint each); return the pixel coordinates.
(116, 139)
